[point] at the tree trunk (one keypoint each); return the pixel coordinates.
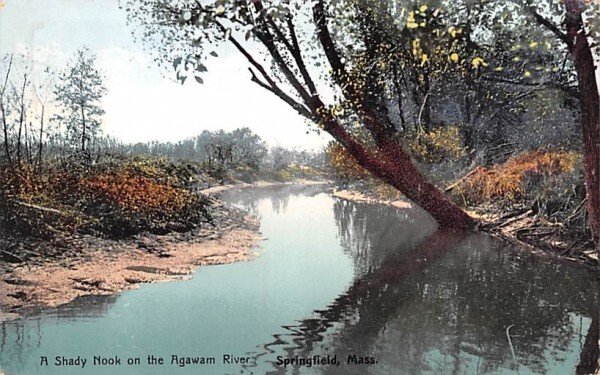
(394, 166)
(590, 110)
(41, 143)
(5, 130)
(468, 131)
(588, 358)
(82, 129)
(21, 118)
(3, 112)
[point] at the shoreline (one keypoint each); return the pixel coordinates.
(260, 184)
(107, 267)
(489, 225)
(106, 273)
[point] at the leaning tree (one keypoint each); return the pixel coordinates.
(285, 44)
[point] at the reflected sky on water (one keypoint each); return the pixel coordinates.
(335, 278)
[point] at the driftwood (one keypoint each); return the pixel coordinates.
(577, 209)
(10, 257)
(41, 208)
(457, 182)
(504, 223)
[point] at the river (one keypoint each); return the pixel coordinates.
(336, 281)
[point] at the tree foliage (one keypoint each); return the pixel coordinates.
(79, 94)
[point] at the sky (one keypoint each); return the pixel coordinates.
(143, 101)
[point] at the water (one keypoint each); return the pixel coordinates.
(339, 279)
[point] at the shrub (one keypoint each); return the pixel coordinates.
(436, 145)
(344, 164)
(116, 199)
(509, 181)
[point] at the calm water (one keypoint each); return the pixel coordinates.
(334, 278)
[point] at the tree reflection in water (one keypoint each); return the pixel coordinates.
(441, 302)
(278, 195)
(17, 337)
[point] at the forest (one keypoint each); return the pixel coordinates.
(490, 108)
(483, 114)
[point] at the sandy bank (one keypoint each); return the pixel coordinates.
(108, 272)
(96, 266)
(259, 184)
(356, 196)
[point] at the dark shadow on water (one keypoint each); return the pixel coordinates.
(86, 307)
(446, 303)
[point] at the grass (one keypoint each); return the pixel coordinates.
(508, 182)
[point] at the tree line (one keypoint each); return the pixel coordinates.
(49, 115)
(371, 73)
(227, 150)
(51, 112)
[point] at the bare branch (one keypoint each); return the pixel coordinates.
(550, 26)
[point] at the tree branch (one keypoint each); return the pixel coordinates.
(550, 26)
(281, 95)
(298, 57)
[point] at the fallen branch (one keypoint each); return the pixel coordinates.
(10, 257)
(457, 182)
(577, 209)
(41, 208)
(514, 219)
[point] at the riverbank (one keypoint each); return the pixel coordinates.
(101, 266)
(90, 265)
(518, 226)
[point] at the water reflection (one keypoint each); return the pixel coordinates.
(24, 335)
(447, 303)
(389, 286)
(278, 195)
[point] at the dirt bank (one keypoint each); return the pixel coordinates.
(521, 228)
(259, 184)
(105, 272)
(357, 196)
(88, 265)
(75, 265)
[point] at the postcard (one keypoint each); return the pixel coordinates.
(299, 187)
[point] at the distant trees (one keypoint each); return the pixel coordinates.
(19, 110)
(78, 95)
(238, 149)
(190, 28)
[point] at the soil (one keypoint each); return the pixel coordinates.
(519, 226)
(72, 266)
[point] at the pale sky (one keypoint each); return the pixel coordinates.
(142, 104)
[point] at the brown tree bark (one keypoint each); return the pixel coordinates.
(581, 52)
(389, 161)
(394, 166)
(583, 58)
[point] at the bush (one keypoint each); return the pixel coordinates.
(118, 198)
(510, 181)
(436, 145)
(343, 164)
